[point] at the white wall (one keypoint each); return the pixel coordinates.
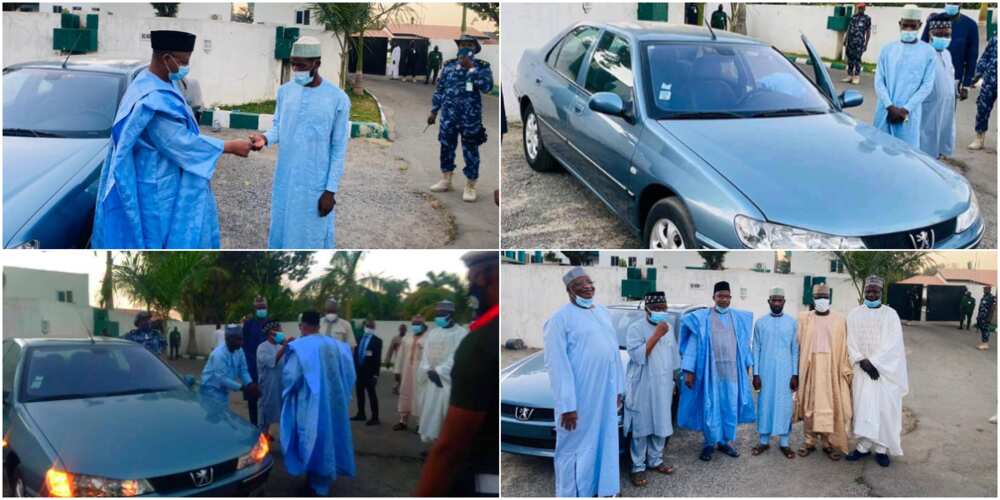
(531, 294)
(233, 62)
(279, 13)
(35, 318)
(21, 283)
(186, 10)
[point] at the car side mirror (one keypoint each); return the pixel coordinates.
(188, 380)
(607, 103)
(851, 99)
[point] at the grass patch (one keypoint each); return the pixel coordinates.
(363, 108)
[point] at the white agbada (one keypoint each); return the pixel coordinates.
(340, 330)
(649, 382)
(937, 130)
(439, 355)
(877, 335)
(394, 65)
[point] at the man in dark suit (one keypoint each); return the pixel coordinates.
(367, 361)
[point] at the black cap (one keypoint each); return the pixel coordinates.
(722, 285)
(652, 298)
(172, 41)
(310, 318)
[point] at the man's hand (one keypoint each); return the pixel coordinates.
(251, 390)
(432, 118)
(435, 378)
(794, 384)
(466, 62)
(963, 93)
(238, 147)
(896, 114)
(621, 401)
(689, 380)
(869, 368)
(257, 141)
(756, 382)
(661, 329)
(326, 203)
(568, 420)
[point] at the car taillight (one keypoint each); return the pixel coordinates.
(59, 483)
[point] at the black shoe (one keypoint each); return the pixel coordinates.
(373, 421)
(856, 455)
(359, 417)
(882, 459)
(706, 454)
(729, 450)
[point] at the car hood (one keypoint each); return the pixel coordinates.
(527, 382)
(827, 173)
(143, 435)
(35, 168)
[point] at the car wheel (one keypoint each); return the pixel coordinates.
(538, 157)
(13, 483)
(668, 226)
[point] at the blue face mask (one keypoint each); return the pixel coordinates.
(279, 338)
(721, 310)
(302, 77)
(908, 36)
(369, 331)
(951, 10)
(261, 313)
(940, 43)
(182, 71)
(585, 303)
(418, 329)
(873, 304)
(658, 316)
(441, 321)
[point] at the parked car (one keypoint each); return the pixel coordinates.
(699, 138)
(57, 129)
(105, 417)
(527, 414)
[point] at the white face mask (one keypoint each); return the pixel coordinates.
(331, 317)
(822, 305)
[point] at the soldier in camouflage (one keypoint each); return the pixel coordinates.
(144, 334)
(458, 98)
(859, 32)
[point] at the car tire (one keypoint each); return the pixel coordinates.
(535, 153)
(668, 226)
(13, 482)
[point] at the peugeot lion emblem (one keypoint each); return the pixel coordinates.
(922, 240)
(202, 477)
(523, 413)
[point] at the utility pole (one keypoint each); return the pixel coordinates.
(464, 11)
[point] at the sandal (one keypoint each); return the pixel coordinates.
(665, 469)
(760, 448)
(832, 453)
(638, 479)
(789, 454)
(706, 454)
(728, 450)
(806, 450)
(399, 427)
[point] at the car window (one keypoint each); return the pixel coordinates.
(89, 370)
(742, 79)
(573, 50)
(59, 103)
(610, 68)
(11, 355)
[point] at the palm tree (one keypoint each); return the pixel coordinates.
(341, 281)
(107, 301)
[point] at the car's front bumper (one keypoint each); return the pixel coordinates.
(248, 482)
(536, 439)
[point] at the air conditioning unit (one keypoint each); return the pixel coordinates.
(215, 17)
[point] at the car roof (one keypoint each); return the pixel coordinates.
(650, 31)
(68, 341)
(119, 66)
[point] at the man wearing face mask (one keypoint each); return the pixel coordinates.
(964, 46)
(824, 402)
(337, 327)
(410, 352)
(253, 335)
(226, 370)
(312, 121)
(145, 334)
(904, 78)
(270, 362)
(652, 360)
(457, 96)
(716, 359)
(435, 368)
(588, 384)
(392, 357)
(155, 187)
(775, 374)
(876, 350)
(367, 363)
(937, 134)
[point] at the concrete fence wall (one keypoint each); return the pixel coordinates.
(531, 294)
(233, 62)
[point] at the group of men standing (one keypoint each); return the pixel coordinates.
(849, 374)
(403, 64)
(919, 79)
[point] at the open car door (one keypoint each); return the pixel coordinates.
(823, 79)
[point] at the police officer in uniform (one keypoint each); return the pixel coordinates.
(145, 334)
(457, 97)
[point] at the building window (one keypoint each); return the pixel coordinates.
(649, 261)
(836, 266)
(632, 261)
(65, 296)
(302, 17)
(57, 9)
(614, 261)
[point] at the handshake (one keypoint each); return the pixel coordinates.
(243, 147)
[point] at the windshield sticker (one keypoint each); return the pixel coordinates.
(36, 383)
(665, 91)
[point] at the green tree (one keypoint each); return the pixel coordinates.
(713, 260)
(165, 9)
(485, 11)
(423, 301)
(341, 280)
(347, 20)
(107, 297)
(890, 266)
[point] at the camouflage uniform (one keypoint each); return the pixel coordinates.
(859, 26)
(987, 70)
(457, 98)
(151, 339)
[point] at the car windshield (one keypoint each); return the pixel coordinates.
(59, 103)
(688, 80)
(93, 370)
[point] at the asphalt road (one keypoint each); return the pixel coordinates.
(388, 462)
(553, 210)
(407, 105)
(949, 444)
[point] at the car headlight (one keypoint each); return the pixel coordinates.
(28, 245)
(969, 216)
(64, 484)
(256, 455)
(766, 235)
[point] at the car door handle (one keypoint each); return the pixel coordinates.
(538, 81)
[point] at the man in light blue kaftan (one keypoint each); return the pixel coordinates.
(585, 371)
(318, 378)
(270, 364)
(312, 124)
(155, 190)
(775, 373)
(716, 359)
(937, 134)
(226, 370)
(904, 78)
(653, 358)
